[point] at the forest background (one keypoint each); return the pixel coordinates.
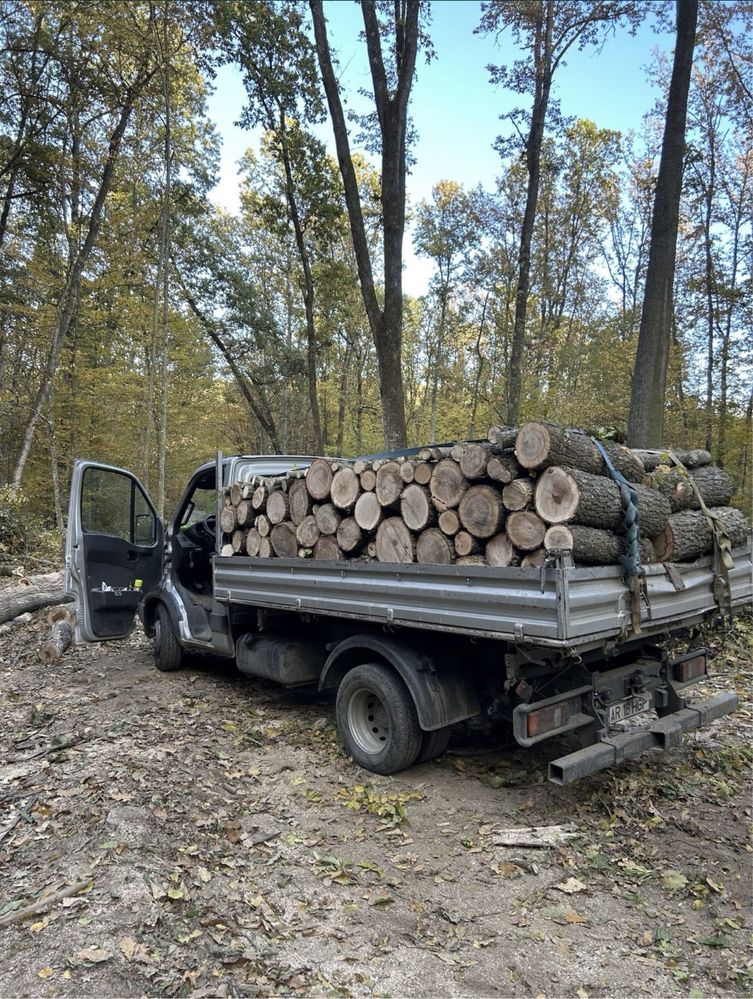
(144, 326)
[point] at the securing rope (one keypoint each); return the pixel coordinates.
(631, 524)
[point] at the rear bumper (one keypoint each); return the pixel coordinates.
(663, 733)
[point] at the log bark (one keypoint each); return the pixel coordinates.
(593, 546)
(368, 511)
(319, 479)
(394, 542)
(300, 501)
(434, 548)
(416, 508)
(693, 458)
(422, 473)
(350, 536)
(389, 483)
(58, 641)
(525, 530)
(284, 543)
(714, 485)
(481, 511)
(278, 507)
(558, 538)
(228, 519)
(345, 488)
(466, 544)
(449, 522)
(503, 467)
(562, 496)
(448, 484)
(308, 533)
(517, 494)
(253, 542)
(503, 436)
(541, 445)
(327, 549)
(499, 550)
(327, 519)
(687, 534)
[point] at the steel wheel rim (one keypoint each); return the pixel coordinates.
(368, 721)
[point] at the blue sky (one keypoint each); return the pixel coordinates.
(454, 107)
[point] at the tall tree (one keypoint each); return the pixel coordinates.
(546, 30)
(392, 79)
(646, 418)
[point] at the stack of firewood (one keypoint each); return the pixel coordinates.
(504, 502)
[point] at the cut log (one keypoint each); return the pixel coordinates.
(328, 519)
(525, 530)
(360, 466)
(228, 519)
(307, 533)
(449, 522)
(558, 538)
(319, 479)
(593, 546)
(327, 549)
(499, 550)
(368, 480)
(540, 445)
(389, 483)
(434, 548)
(714, 485)
(407, 471)
(60, 614)
(416, 508)
(466, 544)
(278, 507)
(262, 524)
(283, 540)
(422, 473)
(693, 458)
(687, 534)
(533, 559)
(481, 511)
(253, 542)
(596, 501)
(59, 640)
(368, 511)
(350, 537)
(394, 542)
(265, 548)
(244, 513)
(517, 494)
(236, 493)
(371, 549)
(259, 499)
(448, 484)
(238, 541)
(456, 451)
(226, 551)
(503, 436)
(226, 498)
(345, 488)
(299, 499)
(503, 467)
(471, 560)
(473, 461)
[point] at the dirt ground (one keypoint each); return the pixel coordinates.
(225, 846)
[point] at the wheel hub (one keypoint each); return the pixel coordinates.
(368, 721)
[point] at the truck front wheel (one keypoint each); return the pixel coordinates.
(377, 719)
(168, 655)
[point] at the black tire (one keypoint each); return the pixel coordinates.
(168, 655)
(377, 719)
(434, 744)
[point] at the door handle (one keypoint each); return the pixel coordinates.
(131, 555)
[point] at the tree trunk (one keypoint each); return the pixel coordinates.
(693, 458)
(714, 485)
(165, 254)
(646, 418)
(540, 445)
(687, 534)
(17, 600)
(58, 641)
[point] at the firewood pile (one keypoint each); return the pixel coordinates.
(503, 502)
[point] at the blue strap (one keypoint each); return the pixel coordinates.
(631, 560)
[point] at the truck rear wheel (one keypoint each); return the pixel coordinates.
(433, 744)
(168, 655)
(377, 719)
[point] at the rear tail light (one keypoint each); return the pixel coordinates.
(691, 668)
(547, 719)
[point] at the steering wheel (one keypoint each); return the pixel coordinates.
(209, 526)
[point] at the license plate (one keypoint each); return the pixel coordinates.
(628, 708)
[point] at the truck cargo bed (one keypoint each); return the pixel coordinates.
(558, 606)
